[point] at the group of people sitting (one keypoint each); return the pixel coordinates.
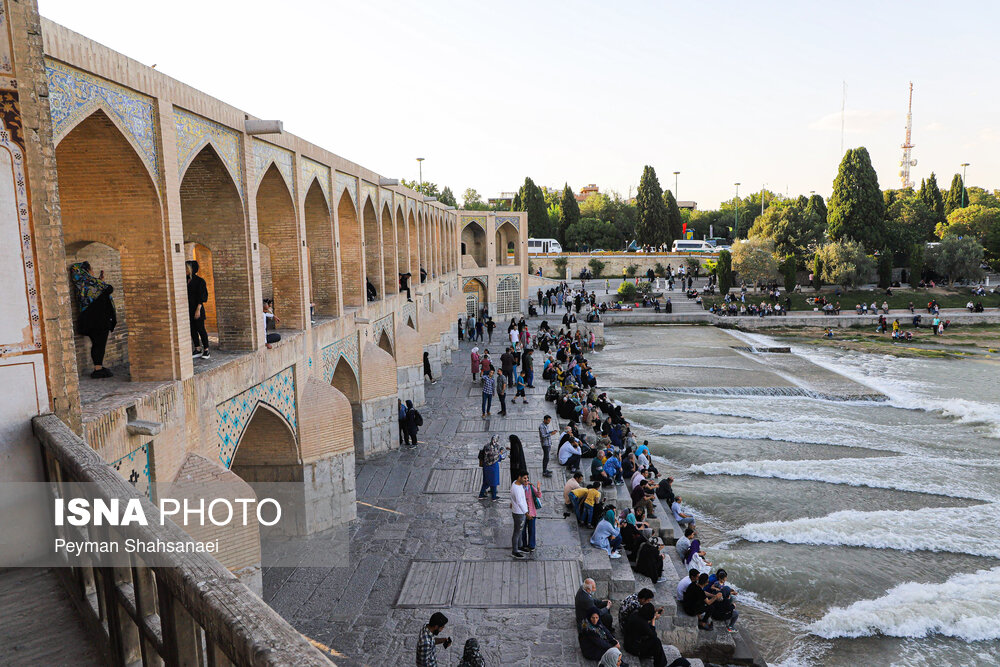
(864, 308)
(763, 309)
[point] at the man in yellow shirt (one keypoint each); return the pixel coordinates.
(571, 485)
(586, 498)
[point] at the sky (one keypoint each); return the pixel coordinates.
(590, 92)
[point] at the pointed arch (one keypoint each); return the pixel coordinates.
(322, 256)
(413, 238)
(349, 230)
(268, 442)
(473, 246)
(373, 256)
(108, 196)
(385, 343)
(508, 245)
(390, 277)
(402, 242)
(278, 230)
(345, 380)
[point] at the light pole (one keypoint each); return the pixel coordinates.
(737, 227)
(964, 187)
(676, 173)
(420, 167)
(762, 187)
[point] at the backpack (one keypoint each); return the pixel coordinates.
(482, 457)
(417, 418)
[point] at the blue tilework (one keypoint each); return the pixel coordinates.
(233, 416)
(134, 467)
(312, 169)
(346, 348)
(478, 219)
(512, 219)
(193, 132)
(349, 183)
(264, 154)
(75, 94)
(385, 324)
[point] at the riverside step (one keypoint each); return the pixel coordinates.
(622, 577)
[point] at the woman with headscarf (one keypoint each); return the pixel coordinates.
(427, 368)
(518, 465)
(413, 421)
(632, 537)
(489, 458)
(461, 330)
(611, 658)
(97, 313)
(607, 535)
(639, 635)
(471, 656)
(475, 362)
(595, 637)
(693, 559)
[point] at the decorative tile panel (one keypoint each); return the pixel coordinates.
(408, 312)
(134, 467)
(6, 62)
(386, 198)
(346, 348)
(386, 324)
(233, 416)
(311, 170)
(193, 132)
(264, 154)
(478, 219)
(368, 190)
(512, 219)
(484, 280)
(345, 181)
(75, 94)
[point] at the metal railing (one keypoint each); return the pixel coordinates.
(193, 612)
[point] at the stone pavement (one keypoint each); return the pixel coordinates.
(423, 542)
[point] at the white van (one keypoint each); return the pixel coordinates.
(693, 246)
(543, 246)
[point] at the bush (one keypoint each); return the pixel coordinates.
(627, 291)
(660, 270)
(724, 271)
(693, 265)
(845, 263)
(560, 264)
(631, 270)
(710, 266)
(645, 288)
(787, 268)
(596, 266)
(959, 258)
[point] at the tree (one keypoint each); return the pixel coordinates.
(844, 263)
(597, 205)
(593, 233)
(651, 228)
(817, 272)
(787, 268)
(793, 232)
(472, 201)
(447, 197)
(930, 194)
(916, 263)
(596, 267)
(979, 196)
(724, 271)
(816, 208)
(627, 291)
(955, 195)
(909, 220)
(560, 266)
(885, 268)
(975, 221)
(959, 258)
(754, 261)
(426, 188)
(856, 209)
(570, 214)
(530, 198)
(674, 223)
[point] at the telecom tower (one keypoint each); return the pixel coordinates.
(907, 162)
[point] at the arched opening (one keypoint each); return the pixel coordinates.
(436, 244)
(212, 213)
(322, 253)
(409, 323)
(414, 240)
(373, 259)
(346, 382)
(389, 275)
(206, 269)
(267, 450)
(279, 232)
(385, 343)
(402, 243)
(474, 246)
(111, 216)
(475, 296)
(508, 245)
(350, 252)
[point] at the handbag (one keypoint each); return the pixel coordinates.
(534, 496)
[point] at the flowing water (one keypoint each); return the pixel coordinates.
(853, 498)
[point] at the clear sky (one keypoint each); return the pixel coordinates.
(587, 91)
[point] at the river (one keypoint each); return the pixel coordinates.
(853, 498)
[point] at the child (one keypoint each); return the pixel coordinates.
(520, 388)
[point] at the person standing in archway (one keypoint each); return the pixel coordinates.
(97, 314)
(197, 297)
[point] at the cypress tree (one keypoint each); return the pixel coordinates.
(885, 268)
(651, 228)
(531, 199)
(930, 193)
(857, 210)
(674, 223)
(570, 214)
(724, 271)
(817, 207)
(955, 192)
(818, 272)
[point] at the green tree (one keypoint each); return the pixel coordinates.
(596, 206)
(593, 233)
(955, 194)
(425, 188)
(916, 263)
(816, 208)
(560, 266)
(959, 258)
(627, 291)
(570, 214)
(976, 221)
(930, 194)
(754, 261)
(531, 199)
(817, 272)
(447, 197)
(631, 270)
(909, 220)
(793, 232)
(472, 201)
(674, 223)
(979, 196)
(856, 209)
(596, 266)
(885, 268)
(787, 268)
(651, 228)
(845, 263)
(724, 271)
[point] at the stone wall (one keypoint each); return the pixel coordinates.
(613, 263)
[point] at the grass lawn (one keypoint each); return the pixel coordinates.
(958, 341)
(900, 299)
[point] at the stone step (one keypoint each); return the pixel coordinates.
(622, 577)
(716, 645)
(595, 564)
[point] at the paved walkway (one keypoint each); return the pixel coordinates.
(423, 542)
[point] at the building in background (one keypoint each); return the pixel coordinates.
(493, 270)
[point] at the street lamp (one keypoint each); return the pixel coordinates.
(737, 227)
(964, 165)
(675, 183)
(420, 166)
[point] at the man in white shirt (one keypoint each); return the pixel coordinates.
(519, 510)
(683, 584)
(570, 454)
(680, 517)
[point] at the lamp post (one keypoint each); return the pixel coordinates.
(737, 227)
(675, 183)
(964, 187)
(420, 167)
(762, 187)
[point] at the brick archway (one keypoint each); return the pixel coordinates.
(350, 252)
(414, 243)
(267, 442)
(108, 197)
(279, 234)
(322, 253)
(373, 259)
(402, 243)
(389, 273)
(213, 216)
